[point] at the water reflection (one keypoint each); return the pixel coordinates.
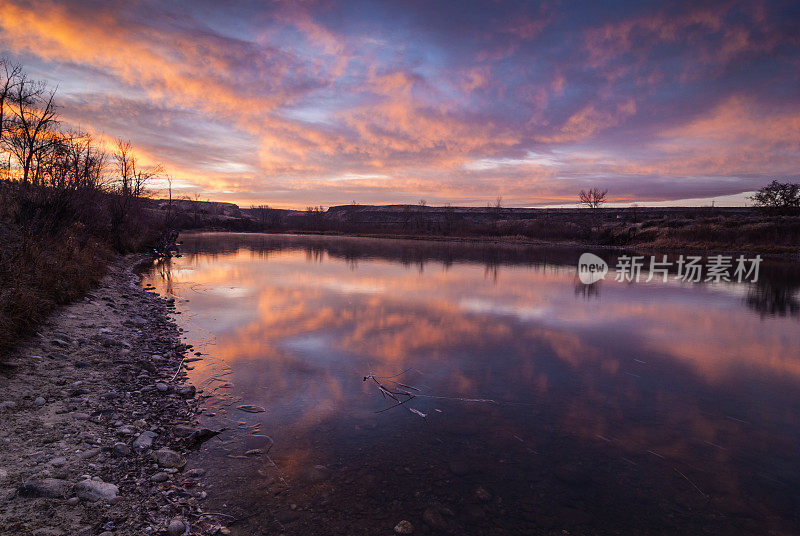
(633, 408)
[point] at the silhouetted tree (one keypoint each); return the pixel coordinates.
(592, 198)
(10, 75)
(778, 197)
(133, 178)
(31, 128)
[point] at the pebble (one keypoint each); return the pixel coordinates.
(196, 472)
(168, 458)
(40, 401)
(186, 391)
(160, 477)
(91, 453)
(176, 527)
(404, 527)
(126, 430)
(144, 441)
(8, 404)
(121, 449)
(162, 387)
(96, 490)
(58, 462)
(47, 487)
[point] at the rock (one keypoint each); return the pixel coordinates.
(58, 462)
(47, 487)
(160, 477)
(195, 473)
(144, 441)
(96, 490)
(91, 453)
(40, 401)
(126, 430)
(176, 527)
(186, 391)
(404, 527)
(168, 458)
(73, 501)
(182, 430)
(108, 341)
(249, 408)
(8, 404)
(121, 449)
(78, 416)
(162, 387)
(198, 437)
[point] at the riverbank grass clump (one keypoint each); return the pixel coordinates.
(56, 245)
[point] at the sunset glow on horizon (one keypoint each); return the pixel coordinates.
(323, 103)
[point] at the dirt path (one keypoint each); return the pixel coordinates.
(95, 421)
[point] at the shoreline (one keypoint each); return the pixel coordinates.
(510, 241)
(98, 420)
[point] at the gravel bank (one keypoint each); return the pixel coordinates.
(97, 421)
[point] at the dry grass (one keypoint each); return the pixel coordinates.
(55, 247)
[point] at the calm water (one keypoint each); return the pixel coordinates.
(549, 406)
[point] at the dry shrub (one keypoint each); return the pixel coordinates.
(56, 245)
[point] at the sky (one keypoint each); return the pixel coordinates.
(304, 103)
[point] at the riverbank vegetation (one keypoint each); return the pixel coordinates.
(745, 229)
(67, 203)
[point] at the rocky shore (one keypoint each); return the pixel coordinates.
(97, 421)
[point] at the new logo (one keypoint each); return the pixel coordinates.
(591, 268)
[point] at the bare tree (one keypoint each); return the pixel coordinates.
(84, 160)
(10, 75)
(123, 155)
(71, 161)
(593, 198)
(31, 130)
(132, 179)
(142, 176)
